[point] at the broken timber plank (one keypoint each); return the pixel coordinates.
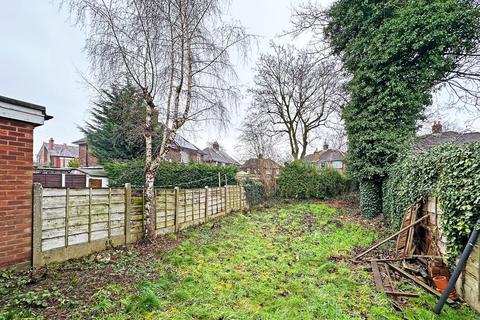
(401, 294)
(390, 238)
(377, 277)
(380, 286)
(417, 281)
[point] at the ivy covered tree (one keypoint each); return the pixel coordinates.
(116, 129)
(397, 53)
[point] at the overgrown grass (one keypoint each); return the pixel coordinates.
(276, 264)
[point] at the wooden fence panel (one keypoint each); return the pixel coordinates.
(71, 223)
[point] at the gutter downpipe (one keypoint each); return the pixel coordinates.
(459, 268)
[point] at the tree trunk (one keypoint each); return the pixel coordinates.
(371, 202)
(149, 208)
(149, 188)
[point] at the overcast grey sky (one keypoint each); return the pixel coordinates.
(42, 53)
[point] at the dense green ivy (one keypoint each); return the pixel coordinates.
(254, 191)
(369, 202)
(452, 173)
(396, 51)
(306, 180)
(170, 174)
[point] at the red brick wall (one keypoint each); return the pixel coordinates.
(16, 144)
(84, 158)
(42, 158)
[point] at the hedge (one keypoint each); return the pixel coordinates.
(170, 174)
(452, 173)
(305, 180)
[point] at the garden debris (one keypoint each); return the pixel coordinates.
(38, 274)
(103, 257)
(393, 236)
(418, 281)
(418, 269)
(384, 283)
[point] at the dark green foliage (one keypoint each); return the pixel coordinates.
(452, 173)
(305, 180)
(254, 191)
(116, 130)
(397, 52)
(170, 174)
(370, 198)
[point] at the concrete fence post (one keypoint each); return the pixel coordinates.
(177, 218)
(37, 225)
(154, 218)
(226, 201)
(67, 215)
(128, 209)
(206, 204)
(241, 196)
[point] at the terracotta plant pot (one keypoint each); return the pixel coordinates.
(440, 282)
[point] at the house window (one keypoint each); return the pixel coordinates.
(184, 158)
(323, 165)
(337, 164)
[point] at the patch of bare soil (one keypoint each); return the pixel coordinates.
(74, 283)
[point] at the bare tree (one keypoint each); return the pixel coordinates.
(461, 85)
(296, 92)
(176, 54)
(257, 138)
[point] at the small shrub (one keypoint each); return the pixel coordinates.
(254, 191)
(305, 180)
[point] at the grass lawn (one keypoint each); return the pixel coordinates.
(279, 263)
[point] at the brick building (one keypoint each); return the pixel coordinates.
(183, 151)
(56, 155)
(85, 159)
(17, 121)
(328, 158)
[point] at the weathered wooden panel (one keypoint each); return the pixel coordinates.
(85, 219)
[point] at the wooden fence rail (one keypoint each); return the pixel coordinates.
(71, 223)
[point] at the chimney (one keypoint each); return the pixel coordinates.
(437, 127)
(316, 155)
(216, 146)
(51, 143)
(260, 156)
(325, 146)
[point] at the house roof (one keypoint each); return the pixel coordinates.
(62, 150)
(80, 141)
(23, 111)
(255, 163)
(428, 141)
(179, 142)
(326, 156)
(210, 154)
(182, 143)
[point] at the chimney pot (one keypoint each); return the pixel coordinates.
(437, 127)
(325, 146)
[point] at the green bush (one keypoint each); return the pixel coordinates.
(305, 180)
(170, 174)
(254, 191)
(452, 173)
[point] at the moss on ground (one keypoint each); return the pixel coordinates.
(280, 263)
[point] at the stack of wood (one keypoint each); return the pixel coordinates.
(408, 261)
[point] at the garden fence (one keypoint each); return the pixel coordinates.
(71, 223)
